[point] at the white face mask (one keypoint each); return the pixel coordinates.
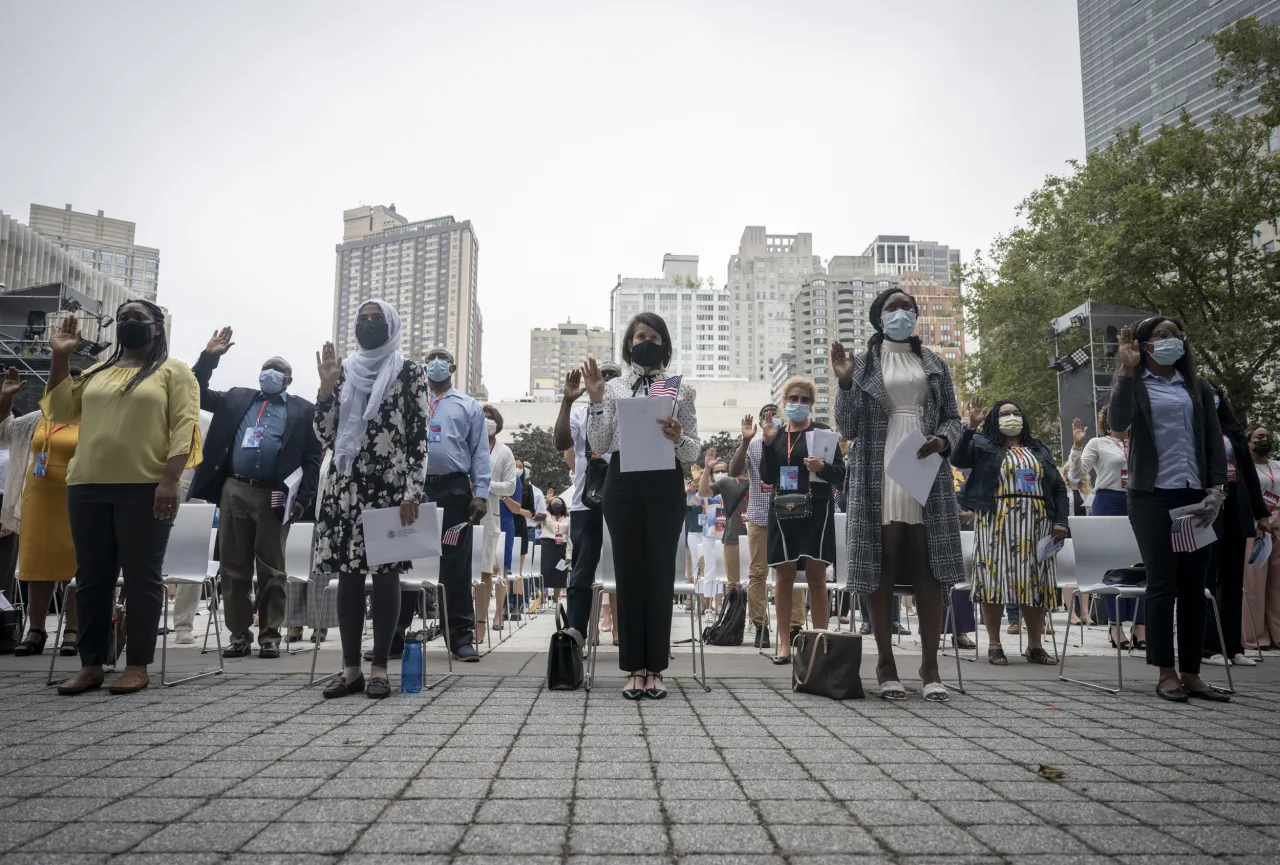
(491, 427)
(721, 477)
(1011, 424)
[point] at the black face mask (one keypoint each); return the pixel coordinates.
(648, 354)
(135, 334)
(371, 334)
(1262, 448)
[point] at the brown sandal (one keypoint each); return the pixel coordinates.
(1039, 656)
(996, 657)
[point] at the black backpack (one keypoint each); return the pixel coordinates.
(564, 657)
(728, 629)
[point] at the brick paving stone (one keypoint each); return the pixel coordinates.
(823, 839)
(527, 811)
(92, 838)
(724, 839)
(1024, 840)
(513, 838)
(239, 809)
(293, 838)
(605, 838)
(190, 837)
(385, 838)
(944, 840)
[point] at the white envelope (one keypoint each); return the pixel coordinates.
(1261, 550)
(386, 541)
(642, 445)
(913, 474)
(293, 482)
(821, 443)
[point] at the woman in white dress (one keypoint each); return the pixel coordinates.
(893, 388)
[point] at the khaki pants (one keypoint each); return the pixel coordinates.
(252, 537)
(758, 573)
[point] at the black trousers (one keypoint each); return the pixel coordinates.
(115, 534)
(586, 530)
(386, 607)
(452, 496)
(1174, 580)
(9, 567)
(1226, 581)
(645, 513)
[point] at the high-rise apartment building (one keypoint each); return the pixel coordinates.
(763, 279)
(940, 323)
(898, 253)
(783, 368)
(1143, 61)
(555, 351)
(696, 313)
(427, 270)
(103, 244)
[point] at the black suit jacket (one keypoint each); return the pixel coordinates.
(300, 447)
(1130, 409)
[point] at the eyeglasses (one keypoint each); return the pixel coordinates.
(1166, 334)
(796, 399)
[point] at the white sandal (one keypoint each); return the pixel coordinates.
(892, 691)
(936, 692)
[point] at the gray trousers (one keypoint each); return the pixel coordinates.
(252, 539)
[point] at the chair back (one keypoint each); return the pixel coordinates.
(604, 570)
(297, 550)
(477, 553)
(1102, 543)
(966, 551)
(187, 554)
(1064, 571)
(842, 553)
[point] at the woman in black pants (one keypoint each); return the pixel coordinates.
(371, 412)
(1176, 459)
(1243, 516)
(644, 510)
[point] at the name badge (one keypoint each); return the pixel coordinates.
(252, 437)
(1271, 499)
(1124, 479)
(766, 488)
(41, 465)
(1026, 480)
(559, 539)
(433, 433)
(789, 479)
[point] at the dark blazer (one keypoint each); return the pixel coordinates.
(975, 451)
(1248, 490)
(774, 457)
(1130, 409)
(300, 448)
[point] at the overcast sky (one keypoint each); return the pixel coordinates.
(582, 140)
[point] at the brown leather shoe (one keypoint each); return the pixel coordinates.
(87, 679)
(132, 680)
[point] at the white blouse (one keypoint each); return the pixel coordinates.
(602, 419)
(1269, 480)
(1106, 456)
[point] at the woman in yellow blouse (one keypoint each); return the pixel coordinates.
(139, 416)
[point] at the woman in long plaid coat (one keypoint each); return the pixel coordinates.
(887, 532)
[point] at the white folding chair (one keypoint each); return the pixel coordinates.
(685, 589)
(297, 570)
(186, 563)
(604, 584)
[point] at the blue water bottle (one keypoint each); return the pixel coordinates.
(411, 664)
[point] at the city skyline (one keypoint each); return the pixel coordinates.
(235, 161)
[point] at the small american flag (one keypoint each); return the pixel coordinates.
(1182, 533)
(451, 535)
(277, 498)
(667, 387)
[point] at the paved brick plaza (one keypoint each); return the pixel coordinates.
(255, 768)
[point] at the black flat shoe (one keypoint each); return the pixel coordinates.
(30, 647)
(237, 650)
(779, 660)
(656, 693)
(339, 688)
(269, 650)
(634, 693)
(1210, 695)
(379, 688)
(1177, 695)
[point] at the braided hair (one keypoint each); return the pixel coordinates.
(991, 426)
(156, 357)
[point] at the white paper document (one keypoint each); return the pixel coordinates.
(1190, 532)
(562, 565)
(293, 482)
(821, 443)
(211, 569)
(1261, 550)
(386, 541)
(4, 603)
(913, 474)
(1048, 547)
(643, 446)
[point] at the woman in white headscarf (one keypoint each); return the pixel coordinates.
(371, 413)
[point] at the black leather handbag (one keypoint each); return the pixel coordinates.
(593, 487)
(564, 657)
(792, 506)
(1134, 576)
(828, 664)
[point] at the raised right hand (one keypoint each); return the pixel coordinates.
(12, 382)
(573, 385)
(219, 342)
(66, 339)
(1129, 352)
(329, 366)
(710, 460)
(977, 414)
(593, 381)
(748, 428)
(841, 361)
(768, 432)
(1079, 435)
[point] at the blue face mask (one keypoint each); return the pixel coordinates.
(1166, 352)
(899, 324)
(271, 381)
(797, 412)
(438, 369)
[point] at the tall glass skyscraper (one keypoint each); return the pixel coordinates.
(1142, 61)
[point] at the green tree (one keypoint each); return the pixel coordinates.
(536, 446)
(1169, 226)
(725, 444)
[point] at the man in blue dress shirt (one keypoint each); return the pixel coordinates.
(458, 475)
(257, 438)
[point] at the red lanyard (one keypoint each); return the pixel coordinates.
(261, 409)
(791, 444)
(1272, 476)
(50, 433)
(432, 403)
(1123, 446)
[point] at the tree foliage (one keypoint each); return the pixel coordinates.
(1167, 226)
(725, 444)
(536, 446)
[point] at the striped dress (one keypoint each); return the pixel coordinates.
(1006, 569)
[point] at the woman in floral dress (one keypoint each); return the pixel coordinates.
(371, 413)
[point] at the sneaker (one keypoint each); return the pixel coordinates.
(184, 637)
(1243, 661)
(1216, 660)
(466, 652)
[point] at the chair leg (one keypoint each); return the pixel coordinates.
(1217, 620)
(1062, 665)
(593, 631)
(1053, 632)
(695, 618)
(57, 631)
(443, 620)
(955, 643)
(324, 598)
(214, 623)
(1253, 626)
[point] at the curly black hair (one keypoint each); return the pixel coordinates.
(991, 426)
